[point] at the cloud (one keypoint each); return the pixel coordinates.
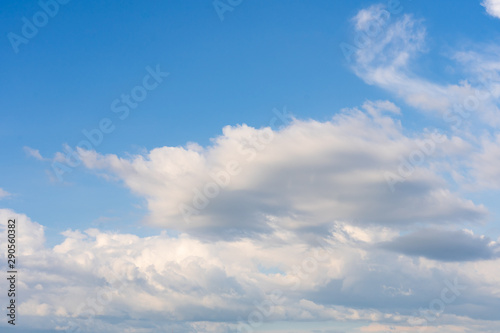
(33, 153)
(483, 173)
(4, 194)
(113, 282)
(30, 234)
(492, 7)
(386, 55)
(302, 177)
(444, 245)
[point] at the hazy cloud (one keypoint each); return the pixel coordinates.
(4, 194)
(33, 153)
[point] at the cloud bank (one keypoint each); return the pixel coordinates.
(93, 280)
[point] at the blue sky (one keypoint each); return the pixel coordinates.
(332, 172)
(263, 55)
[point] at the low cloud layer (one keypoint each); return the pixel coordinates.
(93, 279)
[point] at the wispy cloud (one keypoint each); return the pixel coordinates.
(34, 153)
(388, 58)
(4, 194)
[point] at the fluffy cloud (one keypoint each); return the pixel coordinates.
(272, 197)
(358, 167)
(112, 282)
(492, 7)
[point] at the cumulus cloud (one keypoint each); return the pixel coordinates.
(302, 177)
(30, 234)
(492, 7)
(111, 282)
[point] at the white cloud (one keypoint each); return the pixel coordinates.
(492, 7)
(112, 282)
(386, 55)
(484, 172)
(302, 177)
(388, 59)
(365, 17)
